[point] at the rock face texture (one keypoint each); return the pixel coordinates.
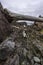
(5, 27)
(20, 50)
(24, 46)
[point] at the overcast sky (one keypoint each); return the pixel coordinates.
(27, 7)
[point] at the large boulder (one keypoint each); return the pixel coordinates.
(7, 48)
(5, 27)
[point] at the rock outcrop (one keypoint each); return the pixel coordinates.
(24, 46)
(5, 27)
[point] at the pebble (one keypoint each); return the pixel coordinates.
(36, 59)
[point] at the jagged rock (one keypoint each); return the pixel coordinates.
(6, 49)
(8, 43)
(8, 17)
(19, 49)
(5, 27)
(38, 48)
(13, 61)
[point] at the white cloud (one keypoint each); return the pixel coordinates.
(29, 7)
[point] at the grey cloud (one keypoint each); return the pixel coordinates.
(27, 7)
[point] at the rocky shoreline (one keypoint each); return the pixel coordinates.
(19, 45)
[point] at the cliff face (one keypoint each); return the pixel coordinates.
(5, 27)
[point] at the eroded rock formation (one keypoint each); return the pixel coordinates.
(5, 27)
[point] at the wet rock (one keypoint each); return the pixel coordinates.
(36, 59)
